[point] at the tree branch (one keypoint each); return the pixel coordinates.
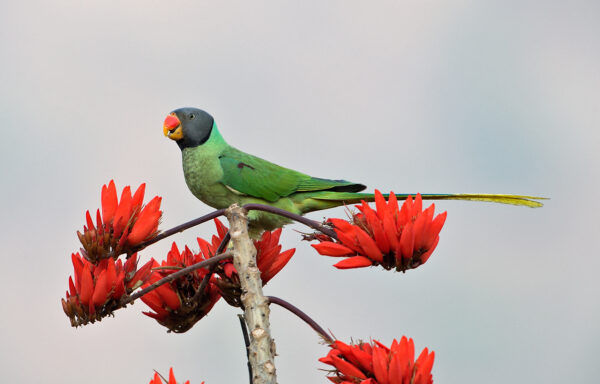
(176, 275)
(303, 316)
(301, 219)
(256, 306)
(181, 228)
(249, 207)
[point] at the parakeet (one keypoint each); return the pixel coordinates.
(220, 175)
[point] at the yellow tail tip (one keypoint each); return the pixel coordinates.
(523, 200)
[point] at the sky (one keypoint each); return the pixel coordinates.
(427, 96)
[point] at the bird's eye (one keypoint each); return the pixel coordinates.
(192, 116)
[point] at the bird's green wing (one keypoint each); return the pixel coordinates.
(259, 178)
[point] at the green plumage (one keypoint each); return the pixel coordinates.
(259, 178)
(221, 175)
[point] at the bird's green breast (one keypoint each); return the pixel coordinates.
(203, 173)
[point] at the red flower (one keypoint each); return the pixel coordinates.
(179, 305)
(158, 380)
(98, 289)
(269, 260)
(374, 363)
(388, 236)
(121, 225)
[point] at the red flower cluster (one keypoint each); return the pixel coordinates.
(269, 260)
(121, 225)
(157, 379)
(388, 236)
(98, 289)
(374, 363)
(179, 305)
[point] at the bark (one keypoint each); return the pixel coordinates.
(256, 306)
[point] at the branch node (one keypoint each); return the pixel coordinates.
(258, 333)
(269, 367)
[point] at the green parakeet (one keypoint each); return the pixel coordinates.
(221, 175)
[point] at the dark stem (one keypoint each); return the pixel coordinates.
(181, 228)
(247, 343)
(307, 319)
(206, 278)
(224, 243)
(301, 219)
(220, 212)
(161, 376)
(175, 275)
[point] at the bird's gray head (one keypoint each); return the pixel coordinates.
(189, 127)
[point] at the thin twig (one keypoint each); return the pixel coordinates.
(181, 228)
(303, 316)
(247, 343)
(175, 275)
(224, 243)
(301, 219)
(167, 268)
(207, 277)
(220, 212)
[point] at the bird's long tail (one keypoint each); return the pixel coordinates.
(354, 197)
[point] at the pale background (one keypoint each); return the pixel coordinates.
(428, 96)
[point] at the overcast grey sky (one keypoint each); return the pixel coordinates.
(413, 96)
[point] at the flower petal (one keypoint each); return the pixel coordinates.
(221, 228)
(347, 368)
(407, 242)
(153, 300)
(397, 372)
(119, 290)
(354, 262)
(171, 376)
(109, 201)
(423, 368)
(123, 212)
(277, 265)
(111, 275)
(229, 269)
(147, 222)
(138, 197)
(100, 290)
(78, 268)
(144, 229)
(205, 248)
(72, 289)
(141, 275)
(348, 239)
(436, 226)
(368, 245)
(380, 365)
(328, 248)
(169, 296)
(130, 264)
(87, 285)
(380, 204)
(88, 219)
(392, 207)
(156, 379)
(375, 224)
(355, 355)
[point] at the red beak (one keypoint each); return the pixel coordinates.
(171, 122)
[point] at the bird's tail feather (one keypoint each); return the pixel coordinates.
(351, 198)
